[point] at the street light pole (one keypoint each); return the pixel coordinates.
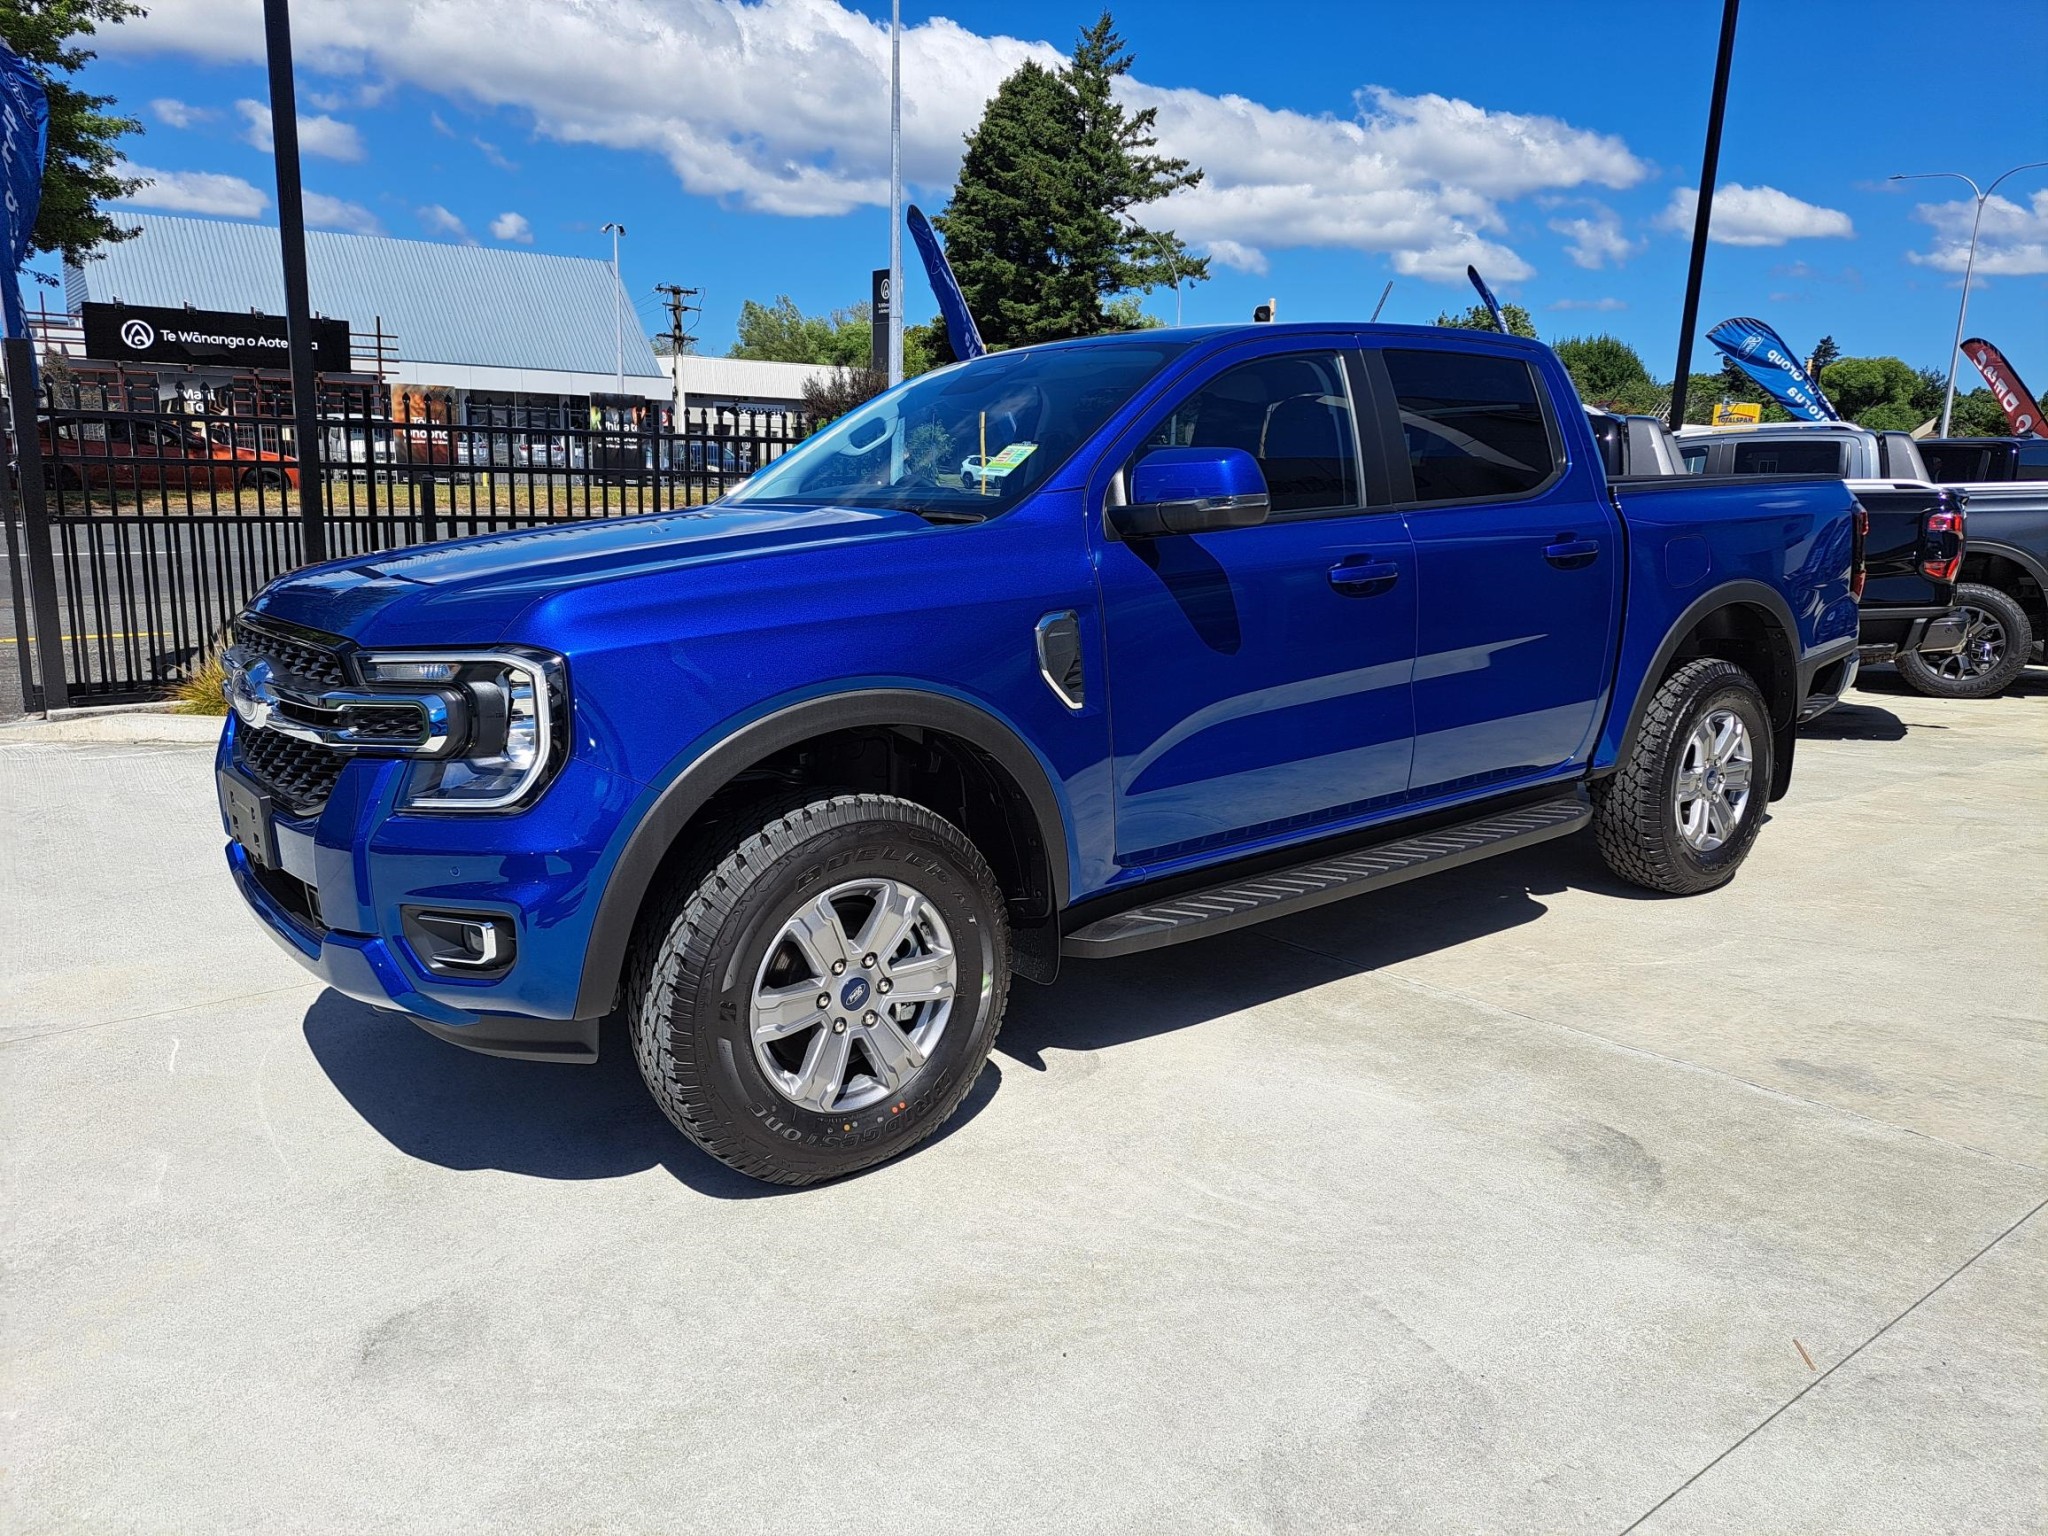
(298, 307)
(618, 314)
(1171, 265)
(896, 192)
(1955, 352)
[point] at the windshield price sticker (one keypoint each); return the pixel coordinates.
(1002, 463)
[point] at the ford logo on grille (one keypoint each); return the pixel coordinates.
(250, 694)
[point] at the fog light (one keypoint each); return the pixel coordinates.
(459, 943)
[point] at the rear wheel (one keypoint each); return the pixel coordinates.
(822, 990)
(1998, 640)
(1683, 810)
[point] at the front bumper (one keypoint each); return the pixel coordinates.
(340, 879)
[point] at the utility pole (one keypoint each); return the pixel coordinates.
(673, 299)
(298, 306)
(895, 192)
(1709, 170)
(618, 309)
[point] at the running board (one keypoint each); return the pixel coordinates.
(1241, 903)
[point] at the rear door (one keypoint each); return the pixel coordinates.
(1258, 677)
(1519, 558)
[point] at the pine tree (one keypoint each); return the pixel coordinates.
(1040, 231)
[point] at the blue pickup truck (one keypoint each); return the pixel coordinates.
(1065, 652)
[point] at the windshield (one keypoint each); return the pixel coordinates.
(966, 442)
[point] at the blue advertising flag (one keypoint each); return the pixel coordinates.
(1761, 353)
(1486, 297)
(24, 136)
(960, 327)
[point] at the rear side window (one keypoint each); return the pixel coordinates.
(1695, 457)
(1473, 425)
(2033, 461)
(1789, 458)
(1292, 413)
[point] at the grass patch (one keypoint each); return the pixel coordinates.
(205, 692)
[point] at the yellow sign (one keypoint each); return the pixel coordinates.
(1732, 414)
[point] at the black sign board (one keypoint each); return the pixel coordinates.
(880, 302)
(138, 333)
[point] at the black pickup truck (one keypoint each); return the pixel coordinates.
(2004, 591)
(1913, 541)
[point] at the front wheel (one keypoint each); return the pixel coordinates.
(820, 993)
(1681, 813)
(1997, 640)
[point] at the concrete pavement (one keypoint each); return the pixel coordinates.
(1512, 1200)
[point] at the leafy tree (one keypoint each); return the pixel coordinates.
(1610, 373)
(1978, 414)
(840, 391)
(1881, 392)
(782, 333)
(1478, 319)
(78, 174)
(1040, 231)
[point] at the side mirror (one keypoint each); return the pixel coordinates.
(1192, 490)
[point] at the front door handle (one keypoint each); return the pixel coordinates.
(1364, 575)
(1570, 553)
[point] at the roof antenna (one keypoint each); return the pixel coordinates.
(1382, 303)
(1492, 304)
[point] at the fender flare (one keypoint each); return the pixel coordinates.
(1728, 595)
(633, 873)
(2026, 560)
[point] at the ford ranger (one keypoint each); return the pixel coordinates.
(1065, 652)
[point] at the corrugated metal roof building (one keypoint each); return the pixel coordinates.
(467, 317)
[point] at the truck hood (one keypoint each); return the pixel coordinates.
(469, 590)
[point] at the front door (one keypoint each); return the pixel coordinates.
(1519, 559)
(1258, 677)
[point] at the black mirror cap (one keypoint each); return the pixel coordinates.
(1207, 514)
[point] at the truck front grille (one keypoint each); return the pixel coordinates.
(302, 658)
(300, 774)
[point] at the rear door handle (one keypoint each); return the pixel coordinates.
(1364, 575)
(1571, 554)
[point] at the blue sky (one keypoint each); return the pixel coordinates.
(744, 146)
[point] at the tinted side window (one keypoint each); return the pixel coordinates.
(2033, 461)
(1292, 414)
(1473, 424)
(1793, 458)
(1695, 457)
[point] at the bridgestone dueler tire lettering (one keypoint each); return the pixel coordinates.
(690, 977)
(1633, 819)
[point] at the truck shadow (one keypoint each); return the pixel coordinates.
(447, 1106)
(444, 1105)
(1856, 722)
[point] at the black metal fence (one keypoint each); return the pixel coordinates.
(152, 527)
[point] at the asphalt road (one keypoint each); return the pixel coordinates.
(1511, 1200)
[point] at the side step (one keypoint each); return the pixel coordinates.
(1221, 908)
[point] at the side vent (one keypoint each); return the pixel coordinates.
(1059, 657)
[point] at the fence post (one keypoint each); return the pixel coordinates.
(426, 505)
(20, 359)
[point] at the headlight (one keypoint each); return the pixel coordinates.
(512, 709)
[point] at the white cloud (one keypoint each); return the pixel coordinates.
(173, 113)
(226, 197)
(324, 212)
(778, 107)
(512, 226)
(1603, 306)
(440, 221)
(2012, 241)
(1756, 216)
(1595, 239)
(318, 135)
(1239, 258)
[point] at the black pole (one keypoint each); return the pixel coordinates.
(20, 354)
(1709, 169)
(298, 306)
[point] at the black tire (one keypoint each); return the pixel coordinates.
(262, 480)
(1636, 810)
(64, 478)
(2001, 642)
(690, 985)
